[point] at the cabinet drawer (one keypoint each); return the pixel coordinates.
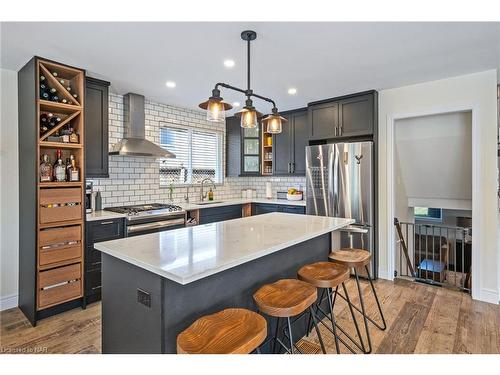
(59, 294)
(292, 209)
(59, 244)
(61, 284)
(93, 282)
(62, 212)
(59, 275)
(92, 258)
(104, 230)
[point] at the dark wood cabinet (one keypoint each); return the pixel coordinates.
(215, 214)
(348, 116)
(96, 128)
(98, 231)
(289, 146)
(265, 208)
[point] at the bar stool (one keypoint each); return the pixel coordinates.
(327, 276)
(357, 258)
(230, 331)
(285, 299)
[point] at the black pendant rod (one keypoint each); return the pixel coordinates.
(225, 85)
(248, 68)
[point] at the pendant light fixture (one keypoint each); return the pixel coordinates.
(216, 108)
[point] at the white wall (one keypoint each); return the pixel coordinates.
(435, 157)
(9, 215)
(476, 92)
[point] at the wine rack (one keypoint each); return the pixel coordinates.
(52, 213)
(267, 151)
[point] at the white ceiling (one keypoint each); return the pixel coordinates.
(321, 60)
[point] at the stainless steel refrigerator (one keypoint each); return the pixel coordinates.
(340, 183)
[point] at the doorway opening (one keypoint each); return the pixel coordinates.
(433, 199)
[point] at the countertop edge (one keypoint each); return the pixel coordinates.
(184, 281)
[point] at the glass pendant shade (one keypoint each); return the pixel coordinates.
(248, 118)
(274, 123)
(215, 111)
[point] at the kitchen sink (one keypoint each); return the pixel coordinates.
(207, 203)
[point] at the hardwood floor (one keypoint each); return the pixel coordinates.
(420, 319)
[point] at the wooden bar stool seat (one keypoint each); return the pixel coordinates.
(230, 331)
(285, 298)
(351, 257)
(324, 274)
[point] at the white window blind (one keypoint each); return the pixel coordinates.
(198, 156)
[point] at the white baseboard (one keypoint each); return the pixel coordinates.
(489, 295)
(8, 302)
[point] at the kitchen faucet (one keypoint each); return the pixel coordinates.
(204, 195)
(186, 197)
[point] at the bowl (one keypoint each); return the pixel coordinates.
(294, 197)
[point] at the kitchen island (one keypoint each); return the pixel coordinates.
(154, 286)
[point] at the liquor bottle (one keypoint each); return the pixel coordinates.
(45, 169)
(74, 171)
(60, 171)
(73, 137)
(58, 156)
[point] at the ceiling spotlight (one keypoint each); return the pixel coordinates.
(292, 91)
(170, 84)
(236, 104)
(229, 63)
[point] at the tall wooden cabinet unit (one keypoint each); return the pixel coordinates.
(51, 214)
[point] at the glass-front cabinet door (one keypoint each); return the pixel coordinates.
(250, 151)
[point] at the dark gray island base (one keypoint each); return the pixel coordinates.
(129, 325)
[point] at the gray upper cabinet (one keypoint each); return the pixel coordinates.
(96, 128)
(233, 147)
(243, 149)
(347, 116)
(289, 146)
(356, 116)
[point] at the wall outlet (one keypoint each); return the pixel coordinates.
(143, 297)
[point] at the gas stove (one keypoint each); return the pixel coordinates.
(147, 209)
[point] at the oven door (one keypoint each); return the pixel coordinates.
(155, 226)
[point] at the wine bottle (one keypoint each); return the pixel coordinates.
(44, 94)
(42, 78)
(53, 90)
(64, 100)
(54, 98)
(62, 82)
(68, 88)
(43, 86)
(54, 74)
(75, 96)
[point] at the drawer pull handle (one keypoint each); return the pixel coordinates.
(96, 287)
(95, 263)
(107, 222)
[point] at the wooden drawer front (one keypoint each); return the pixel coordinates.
(59, 294)
(56, 214)
(59, 275)
(59, 236)
(59, 254)
(63, 195)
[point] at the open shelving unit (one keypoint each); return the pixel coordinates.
(52, 214)
(267, 152)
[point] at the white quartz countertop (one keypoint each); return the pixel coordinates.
(103, 215)
(189, 254)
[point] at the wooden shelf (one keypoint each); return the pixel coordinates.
(60, 184)
(58, 107)
(57, 224)
(60, 145)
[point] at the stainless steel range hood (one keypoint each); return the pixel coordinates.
(134, 142)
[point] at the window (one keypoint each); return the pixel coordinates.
(427, 213)
(198, 156)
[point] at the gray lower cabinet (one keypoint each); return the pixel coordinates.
(265, 208)
(348, 116)
(289, 146)
(96, 128)
(214, 214)
(98, 231)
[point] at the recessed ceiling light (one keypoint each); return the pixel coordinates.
(229, 63)
(292, 91)
(236, 104)
(170, 84)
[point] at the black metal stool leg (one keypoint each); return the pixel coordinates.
(276, 334)
(290, 334)
(317, 330)
(384, 325)
(361, 344)
(334, 325)
(363, 312)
